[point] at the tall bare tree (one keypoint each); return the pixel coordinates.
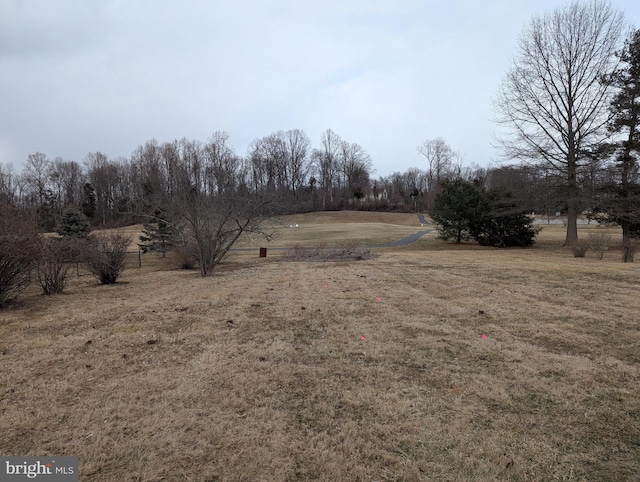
(67, 180)
(267, 156)
(36, 175)
(104, 176)
(279, 164)
(327, 159)
(297, 159)
(192, 158)
(170, 153)
(552, 101)
(7, 183)
(221, 164)
(439, 157)
(148, 174)
(356, 166)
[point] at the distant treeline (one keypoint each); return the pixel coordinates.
(282, 165)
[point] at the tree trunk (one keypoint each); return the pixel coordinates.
(627, 250)
(572, 222)
(572, 195)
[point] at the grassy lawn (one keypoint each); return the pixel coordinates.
(359, 371)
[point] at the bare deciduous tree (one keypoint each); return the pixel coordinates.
(7, 183)
(221, 164)
(439, 158)
(150, 177)
(211, 215)
(103, 175)
(327, 159)
(297, 159)
(267, 156)
(36, 175)
(212, 225)
(279, 163)
(67, 180)
(355, 164)
(552, 101)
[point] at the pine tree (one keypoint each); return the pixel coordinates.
(462, 210)
(621, 201)
(73, 224)
(501, 221)
(159, 235)
(454, 208)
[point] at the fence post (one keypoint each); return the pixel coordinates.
(139, 258)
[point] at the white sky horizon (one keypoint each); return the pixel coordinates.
(80, 76)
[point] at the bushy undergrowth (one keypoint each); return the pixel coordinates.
(182, 257)
(580, 250)
(322, 253)
(54, 262)
(18, 249)
(106, 256)
(599, 242)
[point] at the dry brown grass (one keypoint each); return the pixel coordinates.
(260, 372)
(325, 254)
(338, 229)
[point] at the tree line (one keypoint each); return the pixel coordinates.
(282, 165)
(110, 192)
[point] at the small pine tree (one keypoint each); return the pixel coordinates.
(492, 218)
(159, 235)
(73, 224)
(501, 222)
(454, 208)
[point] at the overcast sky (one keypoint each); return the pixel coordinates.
(79, 76)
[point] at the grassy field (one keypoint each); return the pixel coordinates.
(375, 370)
